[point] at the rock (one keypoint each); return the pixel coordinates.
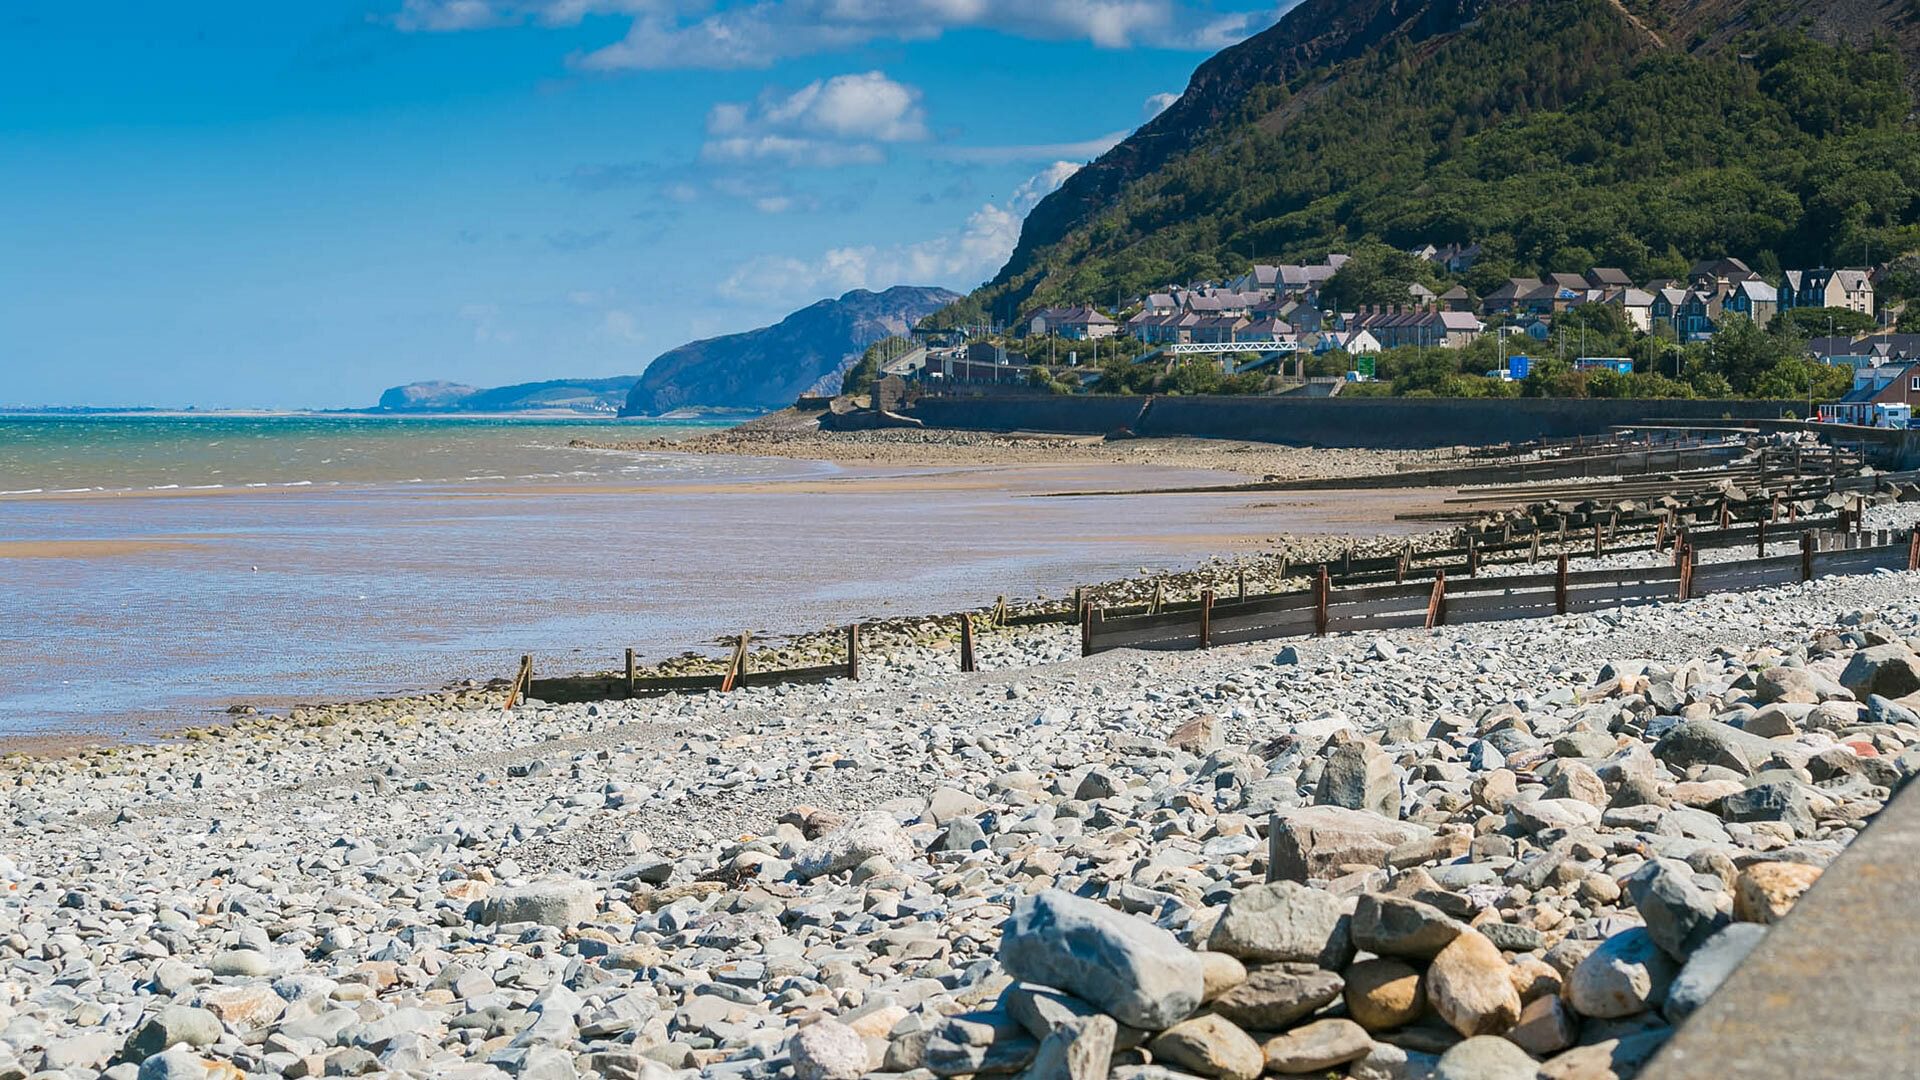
(1709, 742)
(1210, 1046)
(827, 1050)
(1389, 1062)
(976, 1043)
(1887, 670)
(1081, 1049)
(167, 1026)
(1679, 915)
(1321, 1045)
(1127, 967)
(1276, 995)
(243, 1007)
(1325, 841)
(1384, 993)
(1786, 684)
(1485, 1057)
(1398, 926)
(1709, 966)
(870, 834)
(946, 804)
(1577, 780)
(1468, 985)
(1494, 790)
(1200, 736)
(1514, 937)
(562, 904)
(1626, 975)
(1539, 815)
(1220, 973)
(1765, 892)
(250, 963)
(1773, 800)
(1360, 776)
(1283, 921)
(1546, 1027)
(177, 1065)
(1609, 1059)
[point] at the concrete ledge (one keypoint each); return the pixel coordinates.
(1834, 989)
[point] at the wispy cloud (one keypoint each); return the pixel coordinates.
(1084, 150)
(960, 258)
(673, 34)
(1155, 105)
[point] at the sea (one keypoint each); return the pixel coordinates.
(156, 569)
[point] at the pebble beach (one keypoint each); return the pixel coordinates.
(1502, 850)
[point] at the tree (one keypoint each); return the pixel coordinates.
(1814, 322)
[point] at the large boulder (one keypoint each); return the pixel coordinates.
(1485, 1057)
(1211, 1046)
(1325, 841)
(1276, 995)
(1128, 967)
(1709, 742)
(848, 846)
(1888, 670)
(563, 904)
(1399, 926)
(1360, 776)
(1284, 921)
(1627, 975)
(1766, 891)
(1470, 986)
(1680, 915)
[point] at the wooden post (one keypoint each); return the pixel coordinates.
(1206, 618)
(1400, 569)
(736, 675)
(1473, 558)
(1079, 601)
(1913, 549)
(1660, 535)
(1240, 578)
(1686, 574)
(999, 612)
(1563, 530)
(966, 642)
(633, 681)
(1808, 542)
(1437, 602)
(1760, 539)
(1726, 515)
(1086, 629)
(1533, 553)
(853, 651)
(1321, 587)
(1159, 596)
(522, 676)
(1596, 540)
(1560, 587)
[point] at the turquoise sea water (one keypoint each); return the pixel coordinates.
(155, 569)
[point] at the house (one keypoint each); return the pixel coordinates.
(1160, 303)
(1711, 275)
(1875, 350)
(1458, 299)
(1890, 384)
(1072, 323)
(1287, 279)
(1607, 278)
(981, 362)
(1173, 328)
(1267, 331)
(1517, 295)
(1354, 343)
(1424, 327)
(1850, 289)
(1699, 314)
(1454, 258)
(1665, 309)
(1216, 329)
(1637, 306)
(1421, 294)
(1755, 299)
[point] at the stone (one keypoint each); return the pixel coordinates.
(1485, 1057)
(976, 1043)
(1081, 1049)
(1099, 784)
(562, 904)
(1201, 735)
(1495, 789)
(1513, 937)
(1792, 684)
(1326, 841)
(1211, 1046)
(1398, 926)
(1283, 921)
(251, 963)
(1764, 892)
(1708, 967)
(1887, 670)
(1383, 993)
(1539, 815)
(170, 1025)
(1546, 1026)
(1468, 985)
(1275, 995)
(1389, 1062)
(870, 834)
(1315, 1047)
(827, 1050)
(1128, 967)
(1709, 742)
(1609, 1059)
(947, 803)
(1360, 776)
(1628, 974)
(1577, 780)
(1773, 800)
(1219, 973)
(243, 1007)
(176, 1065)
(1679, 915)
(1771, 722)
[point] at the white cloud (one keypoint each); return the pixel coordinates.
(1156, 105)
(960, 259)
(757, 33)
(843, 120)
(621, 326)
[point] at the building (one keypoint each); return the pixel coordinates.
(1850, 289)
(1755, 299)
(1072, 323)
(1874, 389)
(980, 362)
(1636, 305)
(1719, 275)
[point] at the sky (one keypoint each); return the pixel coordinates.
(296, 204)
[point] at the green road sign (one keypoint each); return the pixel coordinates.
(1364, 366)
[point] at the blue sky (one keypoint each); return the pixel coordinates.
(245, 204)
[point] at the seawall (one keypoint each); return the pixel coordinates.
(1358, 423)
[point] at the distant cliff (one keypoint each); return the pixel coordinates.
(586, 396)
(769, 367)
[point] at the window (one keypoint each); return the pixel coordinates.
(1914, 384)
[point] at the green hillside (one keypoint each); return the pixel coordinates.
(1558, 133)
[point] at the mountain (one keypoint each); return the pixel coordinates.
(588, 396)
(1558, 133)
(768, 368)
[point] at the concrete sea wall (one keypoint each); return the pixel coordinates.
(1360, 423)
